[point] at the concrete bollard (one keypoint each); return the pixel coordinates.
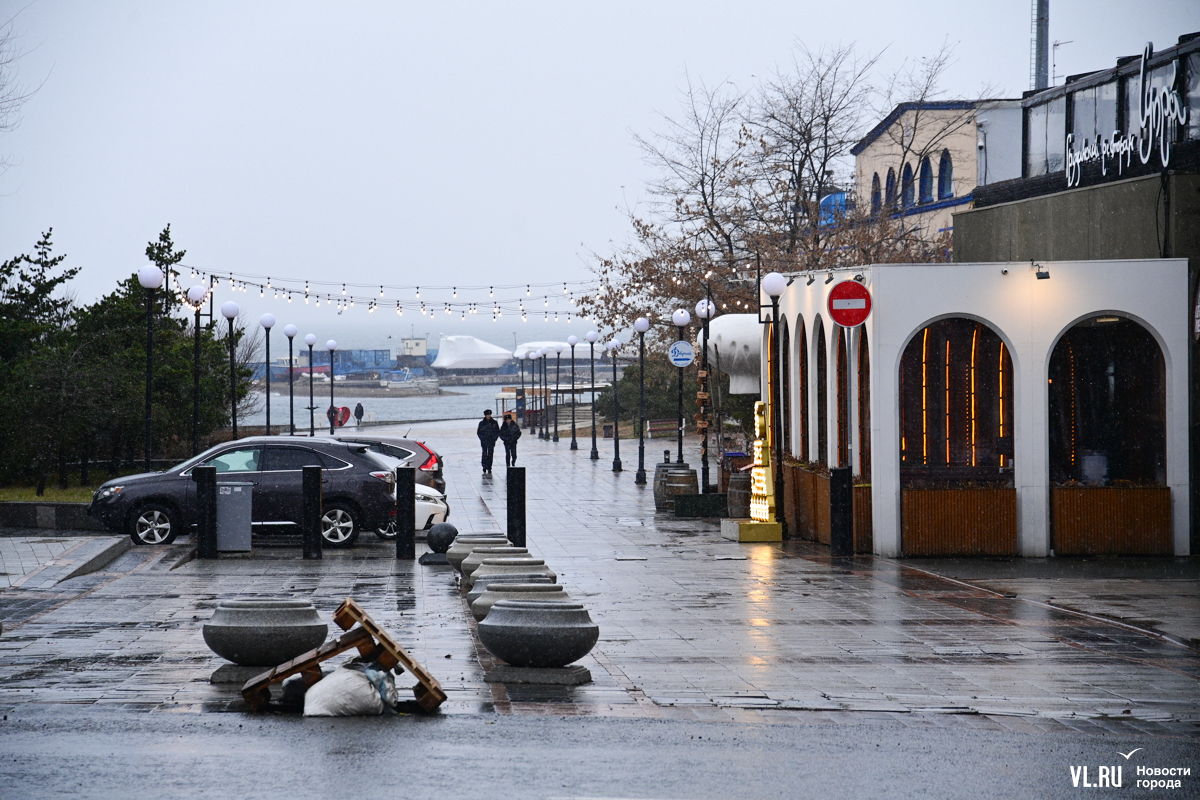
(205, 479)
(311, 527)
(406, 513)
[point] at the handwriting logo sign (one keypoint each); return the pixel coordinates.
(681, 354)
(1159, 111)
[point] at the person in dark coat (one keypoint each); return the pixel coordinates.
(358, 413)
(488, 432)
(510, 431)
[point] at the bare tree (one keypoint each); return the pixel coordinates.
(13, 93)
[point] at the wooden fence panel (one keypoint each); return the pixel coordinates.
(958, 522)
(1111, 520)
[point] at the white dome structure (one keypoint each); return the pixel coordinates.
(467, 352)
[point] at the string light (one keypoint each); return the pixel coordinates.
(455, 295)
(491, 292)
(381, 291)
(399, 310)
(418, 292)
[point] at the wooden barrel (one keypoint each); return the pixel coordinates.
(661, 500)
(680, 481)
(739, 495)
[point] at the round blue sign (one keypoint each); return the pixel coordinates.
(682, 354)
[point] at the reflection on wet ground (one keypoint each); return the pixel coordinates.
(691, 625)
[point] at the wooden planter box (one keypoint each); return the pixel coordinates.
(1111, 520)
(958, 522)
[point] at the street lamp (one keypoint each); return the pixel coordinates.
(545, 432)
(331, 345)
(573, 340)
(532, 355)
(641, 325)
(521, 397)
(681, 319)
(591, 337)
(230, 311)
(774, 285)
(613, 347)
(267, 321)
(310, 339)
(195, 296)
(706, 309)
(150, 277)
(558, 348)
(290, 332)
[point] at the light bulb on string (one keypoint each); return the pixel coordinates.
(381, 291)
(343, 290)
(464, 316)
(564, 288)
(289, 294)
(455, 292)
(306, 289)
(546, 301)
(399, 310)
(276, 295)
(268, 281)
(418, 292)
(260, 291)
(491, 293)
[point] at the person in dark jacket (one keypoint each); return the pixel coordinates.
(358, 413)
(510, 431)
(488, 432)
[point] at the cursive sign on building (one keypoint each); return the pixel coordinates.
(1160, 110)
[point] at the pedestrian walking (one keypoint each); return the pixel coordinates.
(358, 414)
(488, 432)
(510, 431)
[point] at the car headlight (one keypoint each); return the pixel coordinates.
(108, 491)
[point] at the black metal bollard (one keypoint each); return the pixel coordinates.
(516, 506)
(205, 479)
(313, 541)
(406, 512)
(841, 512)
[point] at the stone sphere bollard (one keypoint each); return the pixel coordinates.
(441, 536)
(538, 633)
(472, 562)
(501, 566)
(483, 583)
(463, 546)
(264, 633)
(517, 591)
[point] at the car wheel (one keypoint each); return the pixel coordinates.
(387, 533)
(153, 523)
(339, 525)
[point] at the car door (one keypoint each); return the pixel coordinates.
(238, 464)
(280, 496)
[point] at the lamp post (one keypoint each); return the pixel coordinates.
(705, 310)
(267, 321)
(545, 432)
(573, 340)
(613, 347)
(230, 311)
(521, 397)
(641, 325)
(290, 331)
(331, 345)
(150, 277)
(195, 296)
(310, 339)
(681, 319)
(533, 380)
(558, 348)
(774, 285)
(591, 337)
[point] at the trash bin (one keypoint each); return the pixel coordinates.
(234, 505)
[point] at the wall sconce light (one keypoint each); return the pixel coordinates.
(859, 277)
(1042, 273)
(829, 278)
(810, 280)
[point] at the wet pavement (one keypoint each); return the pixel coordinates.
(693, 627)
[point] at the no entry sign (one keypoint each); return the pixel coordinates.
(849, 304)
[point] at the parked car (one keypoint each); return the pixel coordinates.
(431, 505)
(358, 490)
(413, 453)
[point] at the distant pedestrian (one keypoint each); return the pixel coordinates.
(510, 431)
(488, 432)
(358, 414)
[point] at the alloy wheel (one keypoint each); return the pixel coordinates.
(337, 525)
(152, 526)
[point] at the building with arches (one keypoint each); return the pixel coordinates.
(1001, 408)
(923, 161)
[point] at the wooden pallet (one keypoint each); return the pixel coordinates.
(373, 643)
(428, 691)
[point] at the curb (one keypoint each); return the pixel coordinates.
(49, 516)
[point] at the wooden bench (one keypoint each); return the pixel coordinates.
(372, 642)
(662, 427)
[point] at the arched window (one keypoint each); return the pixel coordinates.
(843, 400)
(890, 195)
(802, 390)
(906, 186)
(926, 193)
(785, 386)
(864, 406)
(945, 177)
(876, 199)
(822, 397)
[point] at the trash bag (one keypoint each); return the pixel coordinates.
(361, 689)
(345, 693)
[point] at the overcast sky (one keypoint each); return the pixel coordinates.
(425, 143)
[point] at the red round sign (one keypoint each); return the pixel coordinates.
(849, 304)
